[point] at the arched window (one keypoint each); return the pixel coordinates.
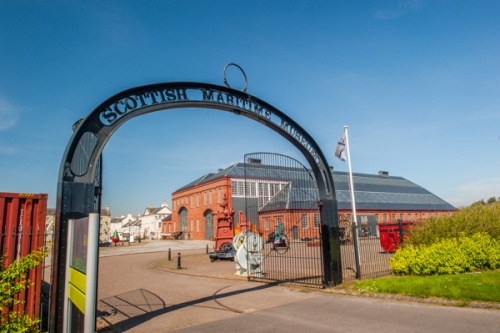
(183, 214)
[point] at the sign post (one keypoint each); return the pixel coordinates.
(81, 275)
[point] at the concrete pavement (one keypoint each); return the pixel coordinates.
(140, 291)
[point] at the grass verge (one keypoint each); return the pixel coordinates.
(479, 287)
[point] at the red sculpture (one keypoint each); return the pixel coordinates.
(224, 230)
(115, 238)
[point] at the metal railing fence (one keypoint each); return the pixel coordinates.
(289, 260)
(375, 247)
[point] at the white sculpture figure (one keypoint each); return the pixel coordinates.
(248, 257)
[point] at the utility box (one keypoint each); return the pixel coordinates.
(390, 234)
(22, 231)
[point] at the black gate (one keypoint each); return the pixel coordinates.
(281, 198)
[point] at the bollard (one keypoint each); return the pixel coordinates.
(401, 231)
(169, 256)
(206, 250)
(179, 260)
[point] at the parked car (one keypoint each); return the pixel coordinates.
(104, 244)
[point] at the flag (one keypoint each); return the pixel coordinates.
(340, 151)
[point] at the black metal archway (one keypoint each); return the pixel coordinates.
(79, 182)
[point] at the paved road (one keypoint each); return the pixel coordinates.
(338, 313)
(154, 246)
(134, 297)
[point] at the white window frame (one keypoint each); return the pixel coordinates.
(305, 221)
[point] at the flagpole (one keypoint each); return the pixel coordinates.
(353, 203)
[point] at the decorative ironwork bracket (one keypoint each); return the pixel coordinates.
(242, 72)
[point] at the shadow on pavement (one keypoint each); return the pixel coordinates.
(125, 311)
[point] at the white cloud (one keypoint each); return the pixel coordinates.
(473, 191)
(400, 8)
(8, 115)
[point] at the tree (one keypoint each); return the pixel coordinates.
(491, 200)
(480, 202)
(13, 281)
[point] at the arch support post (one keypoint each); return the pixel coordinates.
(75, 201)
(332, 260)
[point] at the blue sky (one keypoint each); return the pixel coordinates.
(417, 82)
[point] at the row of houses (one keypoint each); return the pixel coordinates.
(143, 226)
(104, 224)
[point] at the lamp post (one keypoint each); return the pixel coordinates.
(140, 224)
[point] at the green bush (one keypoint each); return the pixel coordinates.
(448, 256)
(13, 281)
(466, 221)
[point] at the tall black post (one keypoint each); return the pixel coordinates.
(401, 231)
(330, 239)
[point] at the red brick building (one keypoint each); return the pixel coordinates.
(193, 207)
(268, 198)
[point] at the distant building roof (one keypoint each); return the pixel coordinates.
(372, 191)
(385, 192)
(203, 179)
(116, 220)
(127, 219)
(151, 210)
(132, 223)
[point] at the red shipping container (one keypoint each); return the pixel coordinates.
(390, 239)
(22, 231)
